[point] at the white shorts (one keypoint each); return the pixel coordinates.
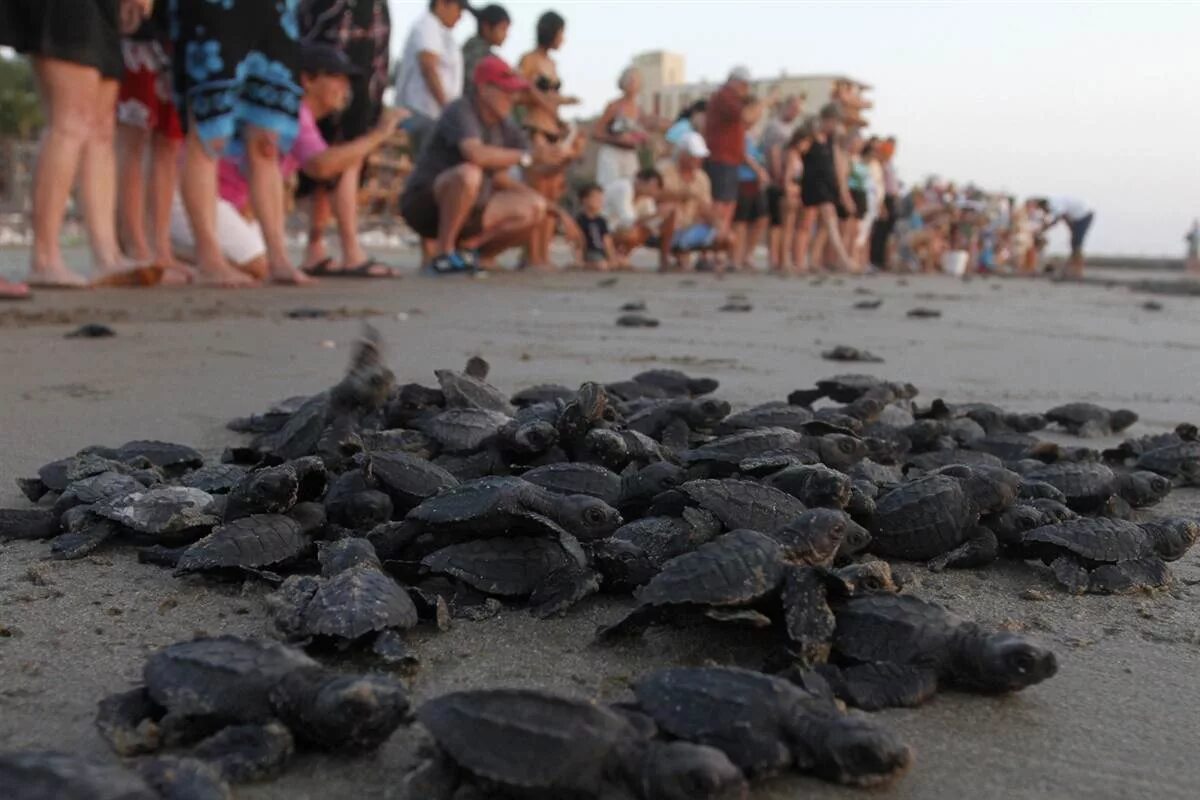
(241, 240)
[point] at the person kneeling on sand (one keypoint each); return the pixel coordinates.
(325, 77)
(687, 199)
(631, 207)
(462, 191)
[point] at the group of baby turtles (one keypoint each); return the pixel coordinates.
(373, 508)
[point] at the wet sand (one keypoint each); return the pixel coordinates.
(1120, 720)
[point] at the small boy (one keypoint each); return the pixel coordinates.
(595, 247)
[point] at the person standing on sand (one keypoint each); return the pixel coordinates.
(75, 50)
(821, 190)
(431, 68)
(781, 205)
(620, 132)
(1079, 221)
(725, 134)
(492, 31)
(361, 29)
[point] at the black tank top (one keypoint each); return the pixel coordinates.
(818, 163)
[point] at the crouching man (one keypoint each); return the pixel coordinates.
(462, 197)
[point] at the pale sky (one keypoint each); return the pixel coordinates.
(1093, 100)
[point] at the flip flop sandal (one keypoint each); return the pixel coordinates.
(320, 269)
(368, 269)
(449, 264)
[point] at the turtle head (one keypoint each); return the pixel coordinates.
(1142, 488)
(1008, 662)
(1172, 536)
(1121, 419)
(534, 437)
(699, 386)
(855, 539)
(683, 771)
(708, 411)
(343, 554)
(868, 577)
(366, 509)
(273, 489)
(331, 711)
(855, 750)
(588, 517)
(607, 447)
(654, 479)
(817, 536)
(833, 488)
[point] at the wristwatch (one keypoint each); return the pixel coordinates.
(526, 160)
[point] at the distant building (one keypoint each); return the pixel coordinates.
(665, 91)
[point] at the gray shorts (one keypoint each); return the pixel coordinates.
(724, 180)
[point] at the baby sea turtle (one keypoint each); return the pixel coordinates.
(553, 573)
(353, 600)
(737, 503)
(507, 506)
(630, 493)
(675, 383)
(897, 650)
(814, 485)
(214, 478)
(252, 543)
(1086, 486)
(173, 459)
(192, 689)
(1178, 461)
(409, 480)
(844, 352)
(1089, 419)
(637, 551)
(766, 725)
(727, 453)
(768, 415)
(922, 519)
(528, 743)
(1110, 555)
(49, 775)
(465, 391)
(674, 421)
(162, 514)
(542, 393)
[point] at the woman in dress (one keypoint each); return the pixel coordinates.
(75, 49)
(540, 116)
(620, 132)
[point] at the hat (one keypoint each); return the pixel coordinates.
(740, 73)
(325, 59)
(693, 144)
(492, 71)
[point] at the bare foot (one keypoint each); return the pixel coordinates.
(291, 277)
(178, 275)
(138, 276)
(13, 291)
(56, 278)
(224, 278)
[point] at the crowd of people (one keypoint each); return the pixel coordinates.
(183, 121)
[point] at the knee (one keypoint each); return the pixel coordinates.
(262, 146)
(538, 208)
(468, 177)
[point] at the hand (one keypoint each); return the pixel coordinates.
(132, 13)
(390, 119)
(571, 100)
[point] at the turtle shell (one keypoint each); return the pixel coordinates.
(894, 628)
(508, 567)
(736, 447)
(921, 519)
(1086, 485)
(744, 504)
(847, 388)
(542, 393)
(815, 485)
(162, 510)
(494, 503)
(358, 601)
(464, 430)
(465, 391)
(260, 540)
(225, 677)
(409, 480)
(941, 458)
(214, 478)
(42, 775)
(735, 569)
(167, 455)
(571, 478)
(675, 382)
(96, 489)
(1180, 460)
(528, 739)
(1096, 540)
(750, 716)
(768, 415)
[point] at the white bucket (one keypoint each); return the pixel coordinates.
(954, 262)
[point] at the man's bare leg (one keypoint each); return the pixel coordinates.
(806, 218)
(132, 143)
(666, 236)
(510, 218)
(345, 211)
(829, 222)
(723, 214)
(68, 92)
(266, 195)
(455, 191)
(319, 214)
(164, 175)
(198, 189)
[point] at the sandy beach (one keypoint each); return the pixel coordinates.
(1120, 720)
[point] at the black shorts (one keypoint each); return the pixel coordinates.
(1079, 231)
(815, 193)
(83, 32)
(724, 180)
(775, 198)
(751, 203)
(420, 211)
(860, 205)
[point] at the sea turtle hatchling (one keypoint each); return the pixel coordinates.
(629, 493)
(510, 506)
(1110, 555)
(523, 743)
(897, 650)
(409, 480)
(353, 600)
(676, 383)
(195, 688)
(737, 503)
(1181, 462)
(766, 725)
(50, 775)
(1091, 420)
(247, 545)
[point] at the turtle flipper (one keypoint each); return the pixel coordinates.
(243, 753)
(79, 543)
(1071, 575)
(36, 523)
(632, 624)
(980, 550)
(162, 556)
(126, 721)
(176, 778)
(391, 647)
(1130, 576)
(562, 589)
(881, 685)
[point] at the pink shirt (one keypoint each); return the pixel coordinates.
(231, 177)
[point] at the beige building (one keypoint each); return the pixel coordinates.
(665, 91)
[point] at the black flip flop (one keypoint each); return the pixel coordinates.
(320, 269)
(365, 270)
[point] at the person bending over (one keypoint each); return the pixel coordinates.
(462, 192)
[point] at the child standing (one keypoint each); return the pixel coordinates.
(595, 246)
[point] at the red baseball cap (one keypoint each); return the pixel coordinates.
(492, 70)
